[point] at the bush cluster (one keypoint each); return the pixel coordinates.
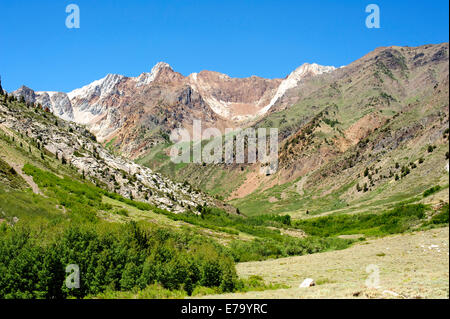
(125, 257)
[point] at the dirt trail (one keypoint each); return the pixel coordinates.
(27, 178)
(18, 166)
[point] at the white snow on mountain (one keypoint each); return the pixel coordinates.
(293, 80)
(147, 78)
(100, 88)
(90, 103)
(219, 107)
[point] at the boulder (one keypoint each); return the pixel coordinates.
(308, 282)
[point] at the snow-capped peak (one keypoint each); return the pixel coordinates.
(158, 66)
(294, 78)
(146, 78)
(100, 87)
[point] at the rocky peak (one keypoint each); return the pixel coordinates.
(311, 69)
(25, 92)
(100, 88)
(159, 66)
(161, 72)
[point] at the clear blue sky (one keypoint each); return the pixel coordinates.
(237, 37)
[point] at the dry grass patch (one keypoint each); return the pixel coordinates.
(414, 265)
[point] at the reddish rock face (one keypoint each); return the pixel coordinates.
(234, 98)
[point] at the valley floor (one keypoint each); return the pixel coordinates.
(412, 265)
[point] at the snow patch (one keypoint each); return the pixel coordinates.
(101, 87)
(194, 76)
(294, 78)
(219, 107)
(146, 78)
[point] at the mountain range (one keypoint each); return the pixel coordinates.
(379, 113)
(119, 107)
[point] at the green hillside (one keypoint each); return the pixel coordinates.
(52, 215)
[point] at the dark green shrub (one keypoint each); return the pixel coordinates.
(393, 221)
(431, 190)
(442, 217)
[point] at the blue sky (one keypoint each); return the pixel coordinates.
(237, 37)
